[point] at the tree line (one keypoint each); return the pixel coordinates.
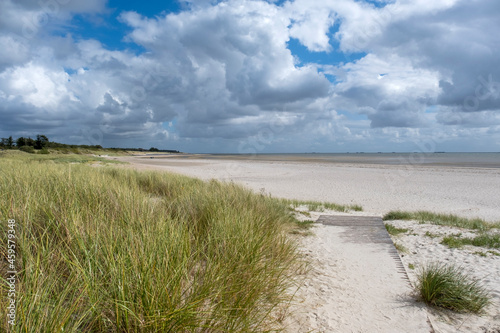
(40, 142)
(43, 143)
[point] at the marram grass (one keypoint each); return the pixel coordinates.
(482, 240)
(322, 206)
(393, 230)
(441, 219)
(448, 287)
(115, 250)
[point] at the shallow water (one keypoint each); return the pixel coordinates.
(471, 160)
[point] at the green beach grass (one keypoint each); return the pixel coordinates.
(441, 219)
(394, 231)
(483, 240)
(318, 206)
(105, 249)
(448, 287)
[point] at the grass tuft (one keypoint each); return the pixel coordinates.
(322, 206)
(447, 287)
(303, 228)
(432, 235)
(453, 242)
(484, 240)
(394, 231)
(307, 224)
(401, 248)
(397, 215)
(441, 219)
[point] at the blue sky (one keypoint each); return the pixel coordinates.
(109, 30)
(239, 75)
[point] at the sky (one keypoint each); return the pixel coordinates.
(242, 76)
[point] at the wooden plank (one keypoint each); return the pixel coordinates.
(341, 220)
(364, 230)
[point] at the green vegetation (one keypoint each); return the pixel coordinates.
(27, 149)
(303, 228)
(485, 254)
(431, 235)
(447, 287)
(305, 225)
(484, 240)
(55, 158)
(322, 206)
(394, 231)
(115, 250)
(411, 266)
(400, 247)
(442, 219)
(42, 144)
(453, 242)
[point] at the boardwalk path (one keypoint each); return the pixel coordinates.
(359, 283)
(365, 230)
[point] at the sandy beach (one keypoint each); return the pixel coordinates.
(331, 299)
(379, 188)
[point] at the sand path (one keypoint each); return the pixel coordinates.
(358, 283)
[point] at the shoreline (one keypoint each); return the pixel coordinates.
(451, 160)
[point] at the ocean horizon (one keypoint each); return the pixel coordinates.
(473, 160)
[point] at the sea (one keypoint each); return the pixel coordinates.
(469, 160)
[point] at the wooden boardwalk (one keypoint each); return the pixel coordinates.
(365, 230)
(358, 283)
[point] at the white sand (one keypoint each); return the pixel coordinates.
(480, 263)
(378, 188)
(335, 298)
(353, 288)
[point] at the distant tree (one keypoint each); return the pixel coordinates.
(41, 141)
(153, 149)
(30, 142)
(7, 142)
(20, 142)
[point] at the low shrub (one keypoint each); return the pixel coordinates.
(27, 149)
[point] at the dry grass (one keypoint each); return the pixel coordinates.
(112, 250)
